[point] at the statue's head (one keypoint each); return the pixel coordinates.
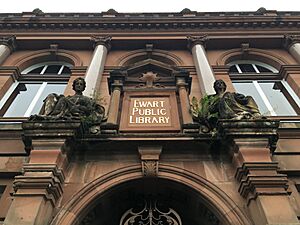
(79, 85)
(219, 86)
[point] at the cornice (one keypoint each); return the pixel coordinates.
(149, 21)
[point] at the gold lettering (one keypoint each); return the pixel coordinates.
(134, 110)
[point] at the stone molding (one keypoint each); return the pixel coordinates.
(169, 21)
(12, 71)
(286, 70)
(149, 160)
(250, 129)
(9, 41)
(40, 180)
(260, 178)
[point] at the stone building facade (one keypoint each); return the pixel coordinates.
(150, 162)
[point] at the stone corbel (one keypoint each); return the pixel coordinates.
(150, 160)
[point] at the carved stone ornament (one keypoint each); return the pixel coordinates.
(196, 40)
(290, 40)
(150, 168)
(150, 157)
(149, 78)
(9, 41)
(69, 108)
(223, 105)
(106, 41)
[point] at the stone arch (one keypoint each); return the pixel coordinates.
(141, 54)
(47, 55)
(222, 205)
(252, 54)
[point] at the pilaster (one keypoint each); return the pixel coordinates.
(259, 181)
(39, 188)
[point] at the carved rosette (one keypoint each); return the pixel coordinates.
(106, 41)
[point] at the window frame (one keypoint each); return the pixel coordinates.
(257, 77)
(253, 63)
(25, 78)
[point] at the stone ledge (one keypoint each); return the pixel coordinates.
(258, 128)
(247, 166)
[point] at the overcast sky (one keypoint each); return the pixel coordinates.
(146, 5)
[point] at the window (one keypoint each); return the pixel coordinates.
(25, 97)
(273, 96)
(250, 66)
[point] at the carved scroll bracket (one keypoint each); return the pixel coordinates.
(149, 159)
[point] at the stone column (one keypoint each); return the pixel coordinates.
(116, 82)
(292, 43)
(94, 73)
(264, 189)
(184, 101)
(114, 102)
(7, 46)
(204, 71)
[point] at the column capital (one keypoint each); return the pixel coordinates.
(290, 40)
(105, 40)
(9, 41)
(196, 40)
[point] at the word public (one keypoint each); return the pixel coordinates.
(148, 112)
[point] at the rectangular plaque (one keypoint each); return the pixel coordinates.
(150, 113)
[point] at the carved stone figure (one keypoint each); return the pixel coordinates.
(76, 107)
(223, 105)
